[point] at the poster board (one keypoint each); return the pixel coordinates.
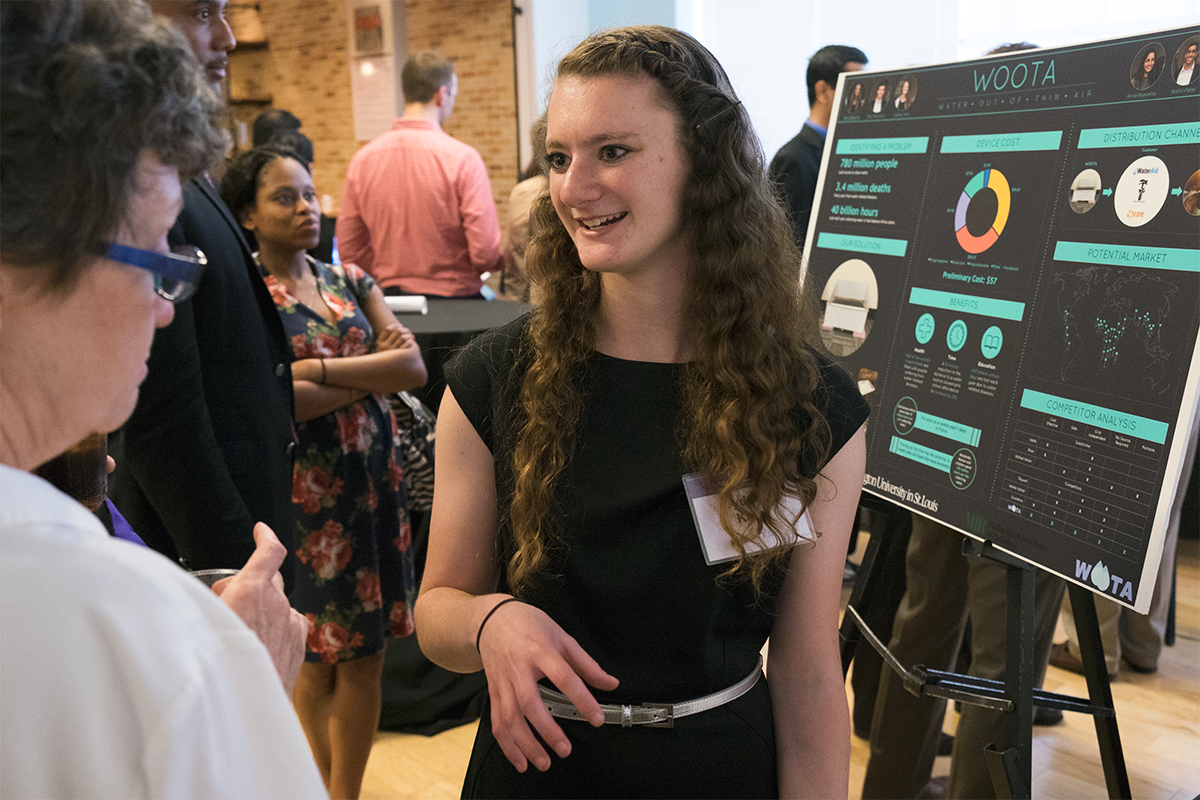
(1022, 232)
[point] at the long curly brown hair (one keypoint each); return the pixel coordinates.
(753, 375)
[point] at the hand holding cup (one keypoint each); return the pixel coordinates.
(256, 595)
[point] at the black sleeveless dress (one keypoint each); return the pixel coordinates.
(631, 585)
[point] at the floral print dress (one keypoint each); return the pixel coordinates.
(354, 580)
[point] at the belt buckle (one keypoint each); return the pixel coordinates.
(669, 713)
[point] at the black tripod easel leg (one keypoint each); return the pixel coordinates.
(1091, 653)
(1010, 762)
(860, 597)
(875, 596)
(1169, 633)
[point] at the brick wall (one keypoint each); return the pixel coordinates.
(305, 69)
(477, 36)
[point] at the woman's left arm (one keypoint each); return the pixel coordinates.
(804, 667)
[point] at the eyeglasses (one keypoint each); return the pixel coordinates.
(175, 274)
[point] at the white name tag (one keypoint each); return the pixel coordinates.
(714, 539)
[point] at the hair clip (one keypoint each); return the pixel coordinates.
(719, 113)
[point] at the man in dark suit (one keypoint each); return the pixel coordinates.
(208, 450)
(798, 163)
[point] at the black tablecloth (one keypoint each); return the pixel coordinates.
(457, 316)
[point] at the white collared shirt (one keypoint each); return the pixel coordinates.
(122, 676)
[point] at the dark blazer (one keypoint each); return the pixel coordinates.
(795, 169)
(208, 449)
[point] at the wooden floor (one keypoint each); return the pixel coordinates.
(1158, 716)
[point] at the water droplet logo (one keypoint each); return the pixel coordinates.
(1100, 576)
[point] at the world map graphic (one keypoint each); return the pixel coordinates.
(1112, 328)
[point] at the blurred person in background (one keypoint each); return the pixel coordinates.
(514, 239)
(798, 163)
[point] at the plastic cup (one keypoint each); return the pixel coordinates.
(211, 576)
(81, 471)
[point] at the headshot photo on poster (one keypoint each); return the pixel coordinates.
(879, 95)
(906, 93)
(1184, 72)
(1146, 68)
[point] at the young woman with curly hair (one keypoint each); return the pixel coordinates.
(671, 340)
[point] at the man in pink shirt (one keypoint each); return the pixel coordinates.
(417, 210)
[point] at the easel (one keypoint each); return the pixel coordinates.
(1010, 760)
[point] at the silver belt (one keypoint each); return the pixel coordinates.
(652, 715)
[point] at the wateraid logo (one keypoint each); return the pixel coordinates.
(1102, 578)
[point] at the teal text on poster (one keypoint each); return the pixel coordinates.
(1151, 430)
(967, 304)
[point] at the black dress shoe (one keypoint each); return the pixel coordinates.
(1047, 716)
(1138, 669)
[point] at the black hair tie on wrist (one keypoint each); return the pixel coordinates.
(489, 616)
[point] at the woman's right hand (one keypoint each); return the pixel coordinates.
(520, 645)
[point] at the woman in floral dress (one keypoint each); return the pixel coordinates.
(354, 579)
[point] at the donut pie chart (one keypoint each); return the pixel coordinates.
(982, 211)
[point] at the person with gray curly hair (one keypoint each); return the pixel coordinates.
(120, 675)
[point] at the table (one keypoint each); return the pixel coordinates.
(459, 316)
